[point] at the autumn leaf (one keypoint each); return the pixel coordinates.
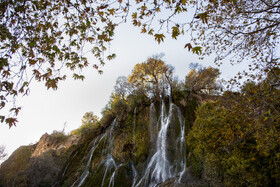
(175, 32)
(6, 74)
(189, 46)
(134, 15)
(2, 104)
(144, 30)
(11, 121)
(51, 83)
(159, 37)
(112, 56)
(16, 110)
(25, 84)
(2, 118)
(78, 77)
(197, 50)
(203, 17)
(151, 32)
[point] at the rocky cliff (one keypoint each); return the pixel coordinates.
(39, 164)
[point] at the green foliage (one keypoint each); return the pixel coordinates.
(89, 122)
(236, 141)
(89, 117)
(59, 135)
(120, 108)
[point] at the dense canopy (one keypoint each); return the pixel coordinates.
(41, 38)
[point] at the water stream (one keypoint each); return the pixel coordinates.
(85, 173)
(169, 159)
(167, 151)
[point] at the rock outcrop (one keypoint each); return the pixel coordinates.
(39, 164)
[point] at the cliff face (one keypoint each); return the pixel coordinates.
(39, 164)
(144, 146)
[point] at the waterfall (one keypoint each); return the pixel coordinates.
(109, 162)
(86, 169)
(109, 138)
(109, 165)
(153, 128)
(135, 174)
(169, 159)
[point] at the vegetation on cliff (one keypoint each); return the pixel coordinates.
(235, 141)
(232, 138)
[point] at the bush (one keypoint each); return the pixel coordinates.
(59, 135)
(85, 128)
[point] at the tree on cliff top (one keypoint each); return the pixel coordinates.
(40, 38)
(203, 80)
(152, 75)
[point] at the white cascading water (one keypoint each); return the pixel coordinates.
(109, 161)
(135, 174)
(85, 173)
(167, 151)
(166, 163)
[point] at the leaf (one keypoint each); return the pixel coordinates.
(175, 32)
(151, 32)
(184, 2)
(203, 17)
(189, 46)
(134, 15)
(11, 121)
(2, 118)
(25, 84)
(16, 110)
(32, 61)
(51, 83)
(112, 11)
(197, 50)
(2, 104)
(112, 56)
(6, 74)
(77, 77)
(144, 30)
(159, 37)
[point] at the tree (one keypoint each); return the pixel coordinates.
(123, 88)
(152, 75)
(89, 122)
(236, 141)
(89, 117)
(246, 28)
(202, 79)
(41, 38)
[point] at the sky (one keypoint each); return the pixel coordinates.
(46, 110)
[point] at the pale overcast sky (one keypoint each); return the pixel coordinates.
(46, 110)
